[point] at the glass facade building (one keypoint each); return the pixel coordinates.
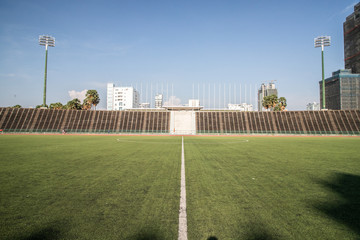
(342, 90)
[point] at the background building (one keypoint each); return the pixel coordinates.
(194, 103)
(352, 40)
(120, 98)
(241, 107)
(144, 105)
(342, 90)
(313, 106)
(158, 101)
(265, 90)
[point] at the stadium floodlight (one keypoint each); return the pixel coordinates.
(46, 41)
(323, 41)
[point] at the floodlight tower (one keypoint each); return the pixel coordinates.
(323, 41)
(46, 41)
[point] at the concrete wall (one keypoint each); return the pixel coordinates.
(182, 122)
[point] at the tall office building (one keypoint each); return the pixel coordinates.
(121, 98)
(342, 90)
(352, 40)
(265, 90)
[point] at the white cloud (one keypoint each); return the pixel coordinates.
(80, 95)
(173, 101)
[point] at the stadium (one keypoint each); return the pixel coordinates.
(180, 121)
(139, 171)
(121, 174)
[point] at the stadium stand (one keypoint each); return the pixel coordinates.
(345, 122)
(289, 122)
(81, 121)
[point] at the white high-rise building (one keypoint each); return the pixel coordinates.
(121, 98)
(158, 101)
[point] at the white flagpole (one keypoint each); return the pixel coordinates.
(214, 97)
(209, 97)
(245, 93)
(224, 95)
(240, 93)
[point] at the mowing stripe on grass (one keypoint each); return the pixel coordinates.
(182, 211)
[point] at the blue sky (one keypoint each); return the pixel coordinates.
(174, 47)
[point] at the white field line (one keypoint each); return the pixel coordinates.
(182, 211)
(163, 142)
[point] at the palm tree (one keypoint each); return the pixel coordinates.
(92, 97)
(269, 102)
(57, 105)
(86, 104)
(274, 103)
(40, 106)
(282, 103)
(74, 104)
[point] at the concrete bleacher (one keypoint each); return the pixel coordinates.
(180, 122)
(78, 121)
(289, 122)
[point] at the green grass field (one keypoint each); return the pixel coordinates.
(273, 188)
(117, 187)
(81, 187)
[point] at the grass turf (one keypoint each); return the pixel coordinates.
(94, 187)
(273, 188)
(89, 187)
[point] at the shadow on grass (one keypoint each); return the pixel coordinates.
(212, 238)
(346, 208)
(148, 234)
(44, 234)
(253, 231)
(258, 231)
(55, 230)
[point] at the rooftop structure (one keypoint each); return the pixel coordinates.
(194, 103)
(241, 107)
(313, 106)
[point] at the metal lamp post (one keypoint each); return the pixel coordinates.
(46, 41)
(323, 41)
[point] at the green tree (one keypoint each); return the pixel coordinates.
(17, 106)
(40, 106)
(74, 104)
(274, 103)
(57, 105)
(282, 103)
(86, 104)
(92, 97)
(269, 102)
